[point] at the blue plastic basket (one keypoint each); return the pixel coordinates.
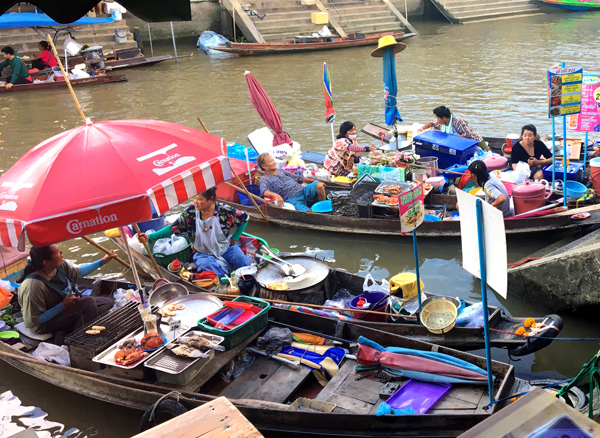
(244, 199)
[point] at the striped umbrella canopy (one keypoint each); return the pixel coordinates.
(103, 175)
(330, 113)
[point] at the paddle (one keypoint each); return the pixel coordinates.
(156, 267)
(107, 251)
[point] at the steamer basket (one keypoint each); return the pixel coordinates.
(431, 320)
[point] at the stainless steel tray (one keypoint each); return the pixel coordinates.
(107, 356)
(197, 306)
(178, 370)
(404, 186)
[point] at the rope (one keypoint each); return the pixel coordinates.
(172, 393)
(589, 370)
(523, 261)
(521, 394)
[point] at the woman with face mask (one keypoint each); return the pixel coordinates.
(341, 157)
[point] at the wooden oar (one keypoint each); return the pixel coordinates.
(107, 251)
(258, 198)
(149, 252)
(244, 188)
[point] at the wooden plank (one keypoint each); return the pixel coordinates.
(216, 419)
(280, 387)
(468, 394)
(252, 379)
(214, 366)
(366, 390)
(350, 404)
(336, 381)
(338, 28)
(400, 16)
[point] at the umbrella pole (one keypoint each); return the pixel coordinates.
(243, 186)
(103, 249)
(332, 134)
(156, 267)
(173, 36)
(150, 39)
(131, 261)
(66, 76)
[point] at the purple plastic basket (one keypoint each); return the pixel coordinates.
(418, 395)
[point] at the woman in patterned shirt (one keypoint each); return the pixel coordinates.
(208, 224)
(341, 157)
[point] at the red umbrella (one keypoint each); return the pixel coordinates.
(266, 110)
(105, 174)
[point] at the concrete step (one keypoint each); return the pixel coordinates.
(490, 6)
(369, 21)
(496, 13)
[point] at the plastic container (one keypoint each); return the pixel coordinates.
(495, 162)
(121, 36)
(323, 207)
(431, 163)
(244, 199)
(254, 324)
(575, 171)
(431, 218)
(595, 173)
(152, 224)
(529, 196)
(184, 256)
(449, 149)
(372, 298)
(511, 140)
(575, 189)
(417, 395)
(436, 181)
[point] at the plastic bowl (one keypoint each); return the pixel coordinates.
(575, 189)
(431, 218)
(322, 207)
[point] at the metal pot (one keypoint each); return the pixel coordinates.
(166, 292)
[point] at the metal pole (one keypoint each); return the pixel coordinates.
(417, 272)
(173, 36)
(332, 134)
(585, 150)
(553, 153)
(131, 261)
(150, 38)
(565, 158)
(486, 328)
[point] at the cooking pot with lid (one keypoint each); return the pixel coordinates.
(529, 196)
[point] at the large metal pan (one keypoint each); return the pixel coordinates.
(316, 272)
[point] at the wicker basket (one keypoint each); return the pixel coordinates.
(242, 332)
(439, 315)
(184, 256)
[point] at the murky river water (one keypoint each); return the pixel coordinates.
(492, 73)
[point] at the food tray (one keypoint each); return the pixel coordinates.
(177, 370)
(380, 189)
(107, 356)
(197, 306)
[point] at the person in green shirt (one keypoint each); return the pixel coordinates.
(20, 74)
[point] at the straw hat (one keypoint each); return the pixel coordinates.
(387, 41)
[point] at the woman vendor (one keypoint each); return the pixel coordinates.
(343, 154)
(47, 294)
(208, 224)
(532, 151)
(495, 192)
(45, 59)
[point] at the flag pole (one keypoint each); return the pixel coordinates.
(482, 269)
(332, 134)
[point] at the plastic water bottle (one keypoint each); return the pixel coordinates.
(299, 171)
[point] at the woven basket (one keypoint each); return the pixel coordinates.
(439, 315)
(184, 256)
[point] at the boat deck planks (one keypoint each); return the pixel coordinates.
(216, 419)
(268, 380)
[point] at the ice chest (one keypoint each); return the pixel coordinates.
(449, 149)
(575, 171)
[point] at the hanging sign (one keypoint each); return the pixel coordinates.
(412, 209)
(588, 120)
(564, 91)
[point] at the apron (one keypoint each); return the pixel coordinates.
(448, 129)
(212, 241)
(59, 283)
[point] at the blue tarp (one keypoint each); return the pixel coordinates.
(31, 19)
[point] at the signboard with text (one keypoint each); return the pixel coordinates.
(412, 210)
(588, 120)
(564, 91)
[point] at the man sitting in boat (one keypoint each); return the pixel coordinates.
(20, 74)
(48, 297)
(450, 123)
(45, 59)
(208, 224)
(287, 187)
(495, 192)
(343, 154)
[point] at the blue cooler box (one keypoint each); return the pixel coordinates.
(449, 149)
(575, 171)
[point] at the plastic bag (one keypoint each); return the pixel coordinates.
(370, 285)
(124, 296)
(471, 316)
(7, 285)
(52, 353)
(163, 246)
(343, 204)
(237, 366)
(341, 299)
(178, 243)
(517, 176)
(78, 74)
(136, 245)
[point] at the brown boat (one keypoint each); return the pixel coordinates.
(307, 44)
(138, 61)
(60, 84)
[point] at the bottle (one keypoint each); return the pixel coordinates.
(233, 289)
(299, 171)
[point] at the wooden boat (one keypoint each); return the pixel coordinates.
(138, 61)
(261, 390)
(462, 338)
(60, 84)
(12, 263)
(307, 44)
(572, 5)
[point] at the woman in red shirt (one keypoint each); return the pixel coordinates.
(45, 59)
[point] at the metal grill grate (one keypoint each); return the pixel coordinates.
(169, 363)
(117, 323)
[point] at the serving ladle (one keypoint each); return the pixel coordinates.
(284, 268)
(296, 268)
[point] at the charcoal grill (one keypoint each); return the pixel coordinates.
(84, 347)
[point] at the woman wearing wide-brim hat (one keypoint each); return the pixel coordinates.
(387, 41)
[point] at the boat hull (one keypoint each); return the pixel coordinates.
(94, 80)
(135, 62)
(572, 5)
